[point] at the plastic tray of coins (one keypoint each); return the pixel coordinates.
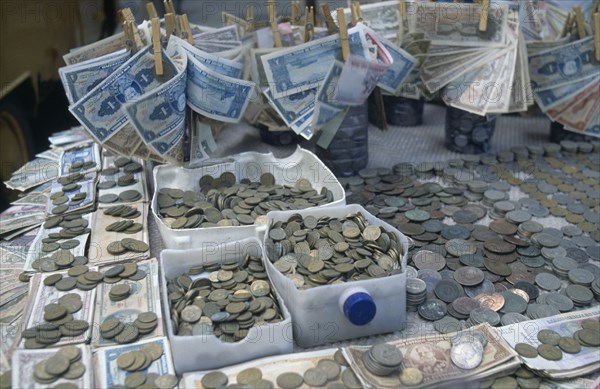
(227, 201)
(220, 306)
(340, 271)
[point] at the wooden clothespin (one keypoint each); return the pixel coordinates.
(402, 8)
(273, 22)
(328, 18)
(483, 17)
(250, 18)
(130, 36)
(596, 7)
(186, 30)
(309, 20)
(358, 10)
(580, 22)
(353, 14)
(597, 35)
(567, 26)
(170, 24)
(341, 18)
(151, 10)
(169, 9)
(157, 47)
(296, 16)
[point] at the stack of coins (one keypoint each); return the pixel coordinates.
(59, 323)
(322, 251)
(483, 315)
(222, 202)
(64, 364)
(119, 292)
(235, 297)
(416, 293)
(128, 244)
(562, 265)
(123, 211)
(382, 359)
(122, 333)
(126, 226)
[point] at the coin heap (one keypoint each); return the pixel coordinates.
(223, 202)
(122, 333)
(125, 245)
(382, 359)
(81, 166)
(507, 260)
(66, 198)
(58, 244)
(313, 252)
(235, 297)
(64, 364)
(125, 170)
(82, 278)
(59, 322)
(137, 361)
(124, 211)
(126, 226)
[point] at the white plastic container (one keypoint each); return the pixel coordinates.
(319, 314)
(205, 352)
(251, 165)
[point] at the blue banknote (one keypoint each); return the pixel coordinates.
(216, 96)
(220, 65)
(100, 111)
(401, 67)
(563, 65)
(78, 80)
(160, 113)
(294, 106)
(305, 66)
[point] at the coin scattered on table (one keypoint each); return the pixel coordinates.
(64, 364)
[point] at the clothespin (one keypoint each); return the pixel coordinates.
(157, 47)
(341, 18)
(186, 29)
(353, 14)
(402, 8)
(309, 20)
(597, 35)
(130, 36)
(296, 16)
(273, 22)
(151, 10)
(169, 9)
(596, 7)
(483, 17)
(170, 24)
(328, 18)
(358, 11)
(580, 23)
(250, 18)
(566, 26)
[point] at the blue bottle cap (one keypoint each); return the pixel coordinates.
(360, 308)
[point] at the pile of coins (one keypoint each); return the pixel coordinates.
(60, 243)
(234, 298)
(137, 361)
(326, 371)
(126, 226)
(127, 196)
(313, 252)
(79, 166)
(64, 364)
(59, 322)
(82, 278)
(553, 345)
(119, 292)
(65, 198)
(382, 359)
(124, 211)
(123, 333)
(125, 245)
(222, 202)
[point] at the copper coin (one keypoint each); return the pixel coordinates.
(499, 246)
(503, 227)
(493, 301)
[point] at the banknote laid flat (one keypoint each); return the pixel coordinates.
(52, 154)
(271, 367)
(81, 78)
(97, 49)
(44, 295)
(87, 152)
(100, 238)
(21, 216)
(25, 361)
(304, 67)
(145, 297)
(33, 173)
(72, 135)
(565, 324)
(216, 96)
(100, 111)
(87, 187)
(32, 199)
(431, 355)
(108, 374)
